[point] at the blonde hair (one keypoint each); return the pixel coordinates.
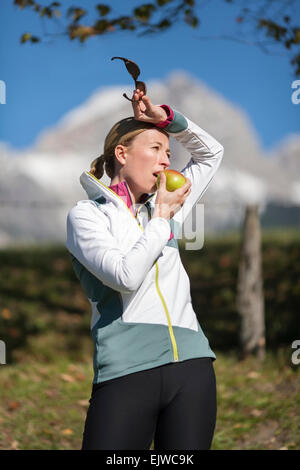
(122, 133)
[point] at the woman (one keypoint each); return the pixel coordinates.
(153, 371)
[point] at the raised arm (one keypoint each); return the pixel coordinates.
(206, 152)
(206, 155)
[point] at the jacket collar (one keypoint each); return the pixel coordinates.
(121, 189)
(117, 193)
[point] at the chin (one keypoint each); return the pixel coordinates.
(148, 190)
(153, 189)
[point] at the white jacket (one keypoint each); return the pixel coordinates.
(130, 268)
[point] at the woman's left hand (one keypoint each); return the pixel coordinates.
(145, 111)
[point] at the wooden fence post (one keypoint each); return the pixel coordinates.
(250, 296)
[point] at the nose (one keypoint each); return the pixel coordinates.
(165, 161)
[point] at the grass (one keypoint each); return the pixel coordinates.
(258, 403)
(43, 405)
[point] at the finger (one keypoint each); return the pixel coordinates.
(185, 196)
(187, 193)
(135, 97)
(162, 180)
(139, 107)
(138, 94)
(136, 106)
(136, 111)
(187, 184)
(147, 102)
(184, 189)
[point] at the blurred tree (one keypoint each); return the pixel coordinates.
(271, 18)
(250, 295)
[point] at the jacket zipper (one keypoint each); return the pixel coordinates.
(171, 332)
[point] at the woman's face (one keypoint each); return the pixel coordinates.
(148, 153)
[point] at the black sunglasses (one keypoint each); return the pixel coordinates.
(134, 71)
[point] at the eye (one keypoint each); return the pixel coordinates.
(157, 147)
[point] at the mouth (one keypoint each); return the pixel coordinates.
(155, 174)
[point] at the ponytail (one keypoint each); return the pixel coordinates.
(97, 166)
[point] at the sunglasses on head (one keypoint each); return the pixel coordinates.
(134, 71)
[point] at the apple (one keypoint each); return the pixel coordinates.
(174, 180)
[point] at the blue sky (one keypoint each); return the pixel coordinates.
(46, 80)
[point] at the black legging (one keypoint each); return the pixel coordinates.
(175, 404)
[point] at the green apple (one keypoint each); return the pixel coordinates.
(174, 180)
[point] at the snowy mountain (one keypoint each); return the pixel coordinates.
(39, 186)
(287, 156)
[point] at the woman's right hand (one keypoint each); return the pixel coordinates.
(168, 203)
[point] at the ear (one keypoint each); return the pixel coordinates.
(120, 153)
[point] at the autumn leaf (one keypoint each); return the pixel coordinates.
(253, 375)
(25, 37)
(103, 9)
(83, 403)
(6, 313)
(13, 405)
(14, 445)
(67, 432)
(79, 376)
(67, 378)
